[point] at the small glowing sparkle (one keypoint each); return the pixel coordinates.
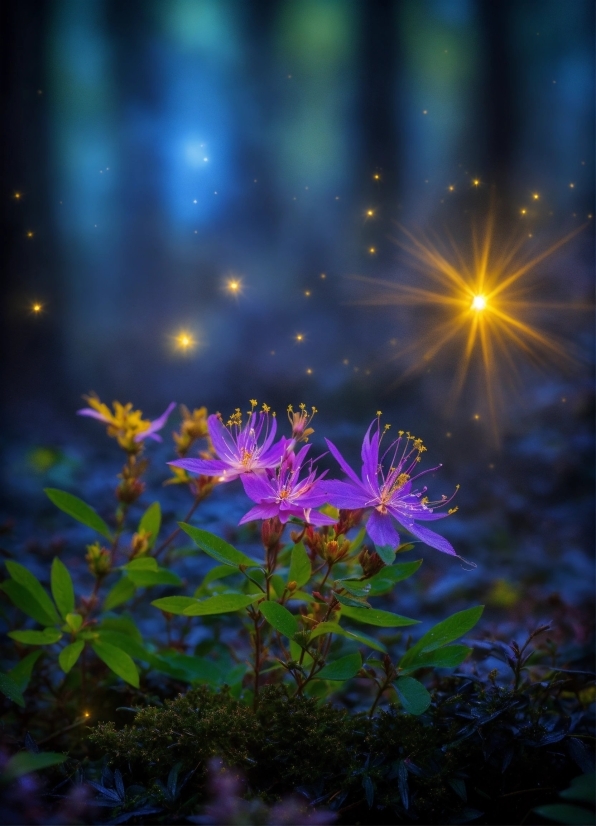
(299, 336)
(571, 186)
(476, 416)
(372, 250)
(479, 302)
(451, 188)
(30, 234)
(87, 714)
(307, 292)
(17, 195)
(376, 177)
(535, 196)
(523, 211)
(309, 371)
(185, 342)
(234, 286)
(476, 182)
(37, 308)
(370, 212)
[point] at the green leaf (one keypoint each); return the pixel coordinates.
(62, 588)
(145, 579)
(79, 510)
(404, 547)
(342, 669)
(122, 591)
(383, 582)
(413, 696)
(22, 671)
(46, 637)
(11, 690)
(218, 548)
(357, 636)
(189, 669)
(374, 616)
(353, 586)
(300, 568)
(448, 657)
(117, 661)
(24, 762)
(25, 600)
(124, 625)
(174, 605)
(132, 647)
(23, 577)
(566, 813)
(444, 632)
(581, 788)
(69, 655)
(142, 563)
(351, 602)
(279, 617)
(151, 521)
(74, 622)
(386, 552)
(221, 604)
(219, 572)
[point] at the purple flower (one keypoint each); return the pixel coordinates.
(389, 493)
(238, 449)
(284, 494)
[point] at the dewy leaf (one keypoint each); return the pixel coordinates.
(448, 657)
(443, 633)
(218, 548)
(383, 582)
(279, 617)
(122, 591)
(10, 689)
(46, 637)
(222, 604)
(79, 510)
(151, 522)
(69, 655)
(62, 588)
(300, 568)
(174, 605)
(413, 696)
(117, 661)
(353, 587)
(342, 669)
(22, 671)
(24, 762)
(374, 616)
(23, 577)
(25, 600)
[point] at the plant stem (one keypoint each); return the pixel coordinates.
(257, 659)
(175, 532)
(382, 687)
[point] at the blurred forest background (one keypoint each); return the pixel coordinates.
(231, 171)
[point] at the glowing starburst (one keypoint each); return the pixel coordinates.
(36, 308)
(481, 300)
(184, 342)
(234, 286)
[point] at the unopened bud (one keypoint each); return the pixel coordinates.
(140, 543)
(271, 532)
(129, 490)
(371, 563)
(292, 585)
(99, 560)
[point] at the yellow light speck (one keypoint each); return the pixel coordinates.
(185, 342)
(30, 234)
(372, 250)
(425, 111)
(309, 371)
(479, 302)
(370, 212)
(535, 196)
(307, 292)
(476, 182)
(523, 211)
(448, 435)
(17, 195)
(451, 188)
(376, 177)
(323, 275)
(234, 286)
(299, 336)
(476, 416)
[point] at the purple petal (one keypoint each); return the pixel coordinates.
(221, 438)
(317, 518)
(206, 467)
(370, 457)
(343, 464)
(257, 487)
(273, 456)
(260, 512)
(345, 495)
(93, 414)
(429, 537)
(381, 530)
(157, 424)
(271, 435)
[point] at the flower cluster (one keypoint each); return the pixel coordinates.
(284, 485)
(125, 424)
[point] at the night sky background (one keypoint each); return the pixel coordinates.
(157, 150)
